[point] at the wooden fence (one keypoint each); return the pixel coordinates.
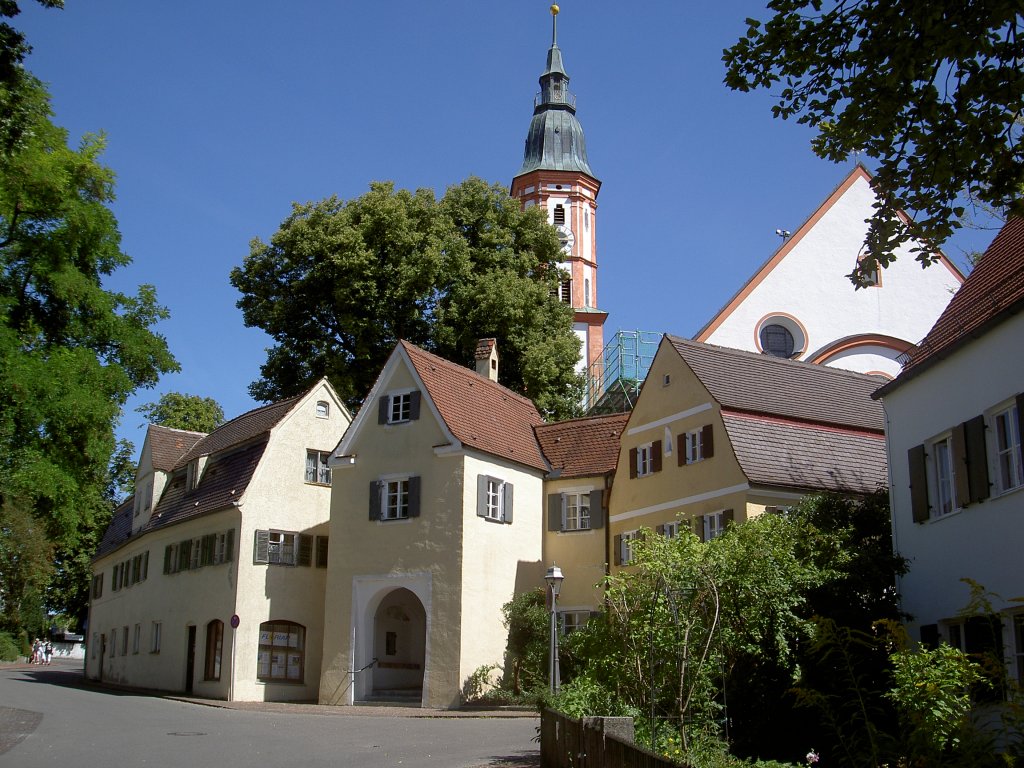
(593, 742)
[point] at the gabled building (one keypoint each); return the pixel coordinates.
(955, 452)
(211, 579)
(719, 435)
(437, 517)
(582, 454)
(800, 304)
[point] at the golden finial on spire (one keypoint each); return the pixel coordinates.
(554, 24)
(554, 10)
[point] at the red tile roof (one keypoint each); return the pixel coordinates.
(480, 413)
(992, 292)
(167, 445)
(582, 447)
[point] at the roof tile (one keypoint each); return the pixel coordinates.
(480, 413)
(583, 447)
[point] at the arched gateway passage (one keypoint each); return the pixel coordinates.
(399, 646)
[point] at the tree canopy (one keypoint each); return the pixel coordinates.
(181, 411)
(340, 282)
(71, 351)
(934, 92)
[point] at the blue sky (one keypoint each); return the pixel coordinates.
(220, 114)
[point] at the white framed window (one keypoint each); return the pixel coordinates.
(644, 460)
(1006, 428)
(136, 636)
(570, 621)
(693, 447)
(941, 456)
(395, 502)
(714, 525)
(155, 634)
(494, 499)
(625, 548)
(195, 554)
(400, 408)
(317, 470)
(577, 512)
(323, 410)
(671, 530)
(281, 548)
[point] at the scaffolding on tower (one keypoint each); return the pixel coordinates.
(613, 381)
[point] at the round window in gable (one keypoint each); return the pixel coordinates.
(781, 336)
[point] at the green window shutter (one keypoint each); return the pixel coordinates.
(305, 549)
(414, 405)
(961, 479)
(382, 409)
(414, 496)
(1020, 424)
(185, 555)
(145, 565)
(261, 548)
(597, 508)
(681, 450)
(919, 505)
(977, 458)
(507, 502)
(481, 495)
(728, 516)
(660, 529)
(698, 527)
(375, 499)
(554, 511)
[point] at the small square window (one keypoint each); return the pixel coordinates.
(317, 469)
(400, 408)
(577, 512)
(323, 409)
(396, 500)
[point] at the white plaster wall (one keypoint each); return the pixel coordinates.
(279, 498)
(176, 601)
(496, 558)
(810, 284)
(981, 542)
(582, 331)
(867, 359)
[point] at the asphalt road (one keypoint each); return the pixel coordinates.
(47, 718)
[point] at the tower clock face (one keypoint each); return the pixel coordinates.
(566, 237)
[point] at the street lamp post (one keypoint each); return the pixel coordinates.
(554, 579)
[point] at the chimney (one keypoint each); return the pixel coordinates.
(487, 358)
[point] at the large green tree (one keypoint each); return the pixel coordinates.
(341, 282)
(71, 351)
(932, 91)
(181, 411)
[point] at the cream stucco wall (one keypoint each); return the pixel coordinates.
(277, 498)
(981, 541)
(370, 558)
(663, 412)
(582, 555)
(498, 559)
(810, 285)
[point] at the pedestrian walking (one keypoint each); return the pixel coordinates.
(36, 651)
(48, 651)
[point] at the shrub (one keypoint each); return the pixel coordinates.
(9, 650)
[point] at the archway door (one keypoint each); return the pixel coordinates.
(399, 645)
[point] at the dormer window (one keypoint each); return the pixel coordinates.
(323, 409)
(194, 473)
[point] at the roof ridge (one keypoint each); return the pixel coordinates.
(580, 419)
(177, 429)
(773, 360)
(466, 370)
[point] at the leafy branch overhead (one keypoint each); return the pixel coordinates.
(934, 92)
(341, 282)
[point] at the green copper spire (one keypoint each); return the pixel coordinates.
(555, 141)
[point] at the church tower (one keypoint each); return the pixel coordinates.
(556, 176)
